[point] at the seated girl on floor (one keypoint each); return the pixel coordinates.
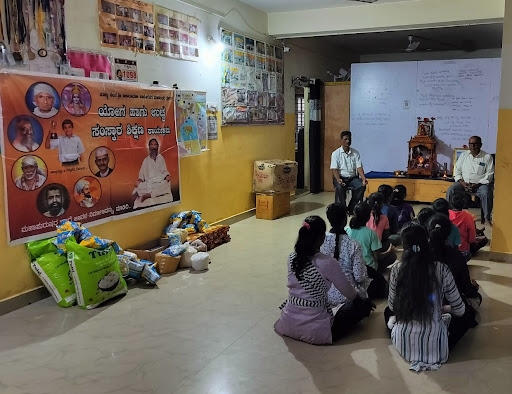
(375, 258)
(348, 252)
(443, 207)
(470, 242)
(439, 227)
(417, 287)
(306, 314)
(405, 210)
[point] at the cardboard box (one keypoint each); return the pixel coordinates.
(274, 176)
(166, 264)
(272, 206)
(148, 250)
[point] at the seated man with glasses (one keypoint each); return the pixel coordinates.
(474, 173)
(347, 173)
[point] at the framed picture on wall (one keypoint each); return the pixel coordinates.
(456, 154)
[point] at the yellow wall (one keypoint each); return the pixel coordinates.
(502, 218)
(217, 183)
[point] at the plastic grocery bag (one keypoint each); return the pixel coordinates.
(53, 270)
(43, 246)
(96, 274)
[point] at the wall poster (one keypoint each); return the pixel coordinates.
(252, 81)
(84, 150)
(127, 24)
(125, 70)
(191, 126)
(176, 34)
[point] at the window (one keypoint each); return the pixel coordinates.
(299, 117)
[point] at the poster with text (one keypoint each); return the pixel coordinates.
(127, 24)
(84, 150)
(125, 70)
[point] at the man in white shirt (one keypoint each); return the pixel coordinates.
(153, 185)
(24, 141)
(43, 100)
(474, 173)
(70, 146)
(347, 173)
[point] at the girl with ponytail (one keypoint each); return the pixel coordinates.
(306, 314)
(417, 288)
(348, 252)
(378, 222)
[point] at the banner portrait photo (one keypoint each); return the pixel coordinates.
(84, 150)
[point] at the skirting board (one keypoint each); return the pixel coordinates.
(500, 257)
(251, 212)
(22, 300)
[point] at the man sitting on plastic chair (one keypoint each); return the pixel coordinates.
(347, 173)
(474, 173)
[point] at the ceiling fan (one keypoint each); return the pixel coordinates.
(364, 1)
(415, 41)
(413, 45)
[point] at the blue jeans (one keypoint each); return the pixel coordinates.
(356, 185)
(484, 193)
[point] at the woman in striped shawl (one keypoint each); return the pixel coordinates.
(306, 314)
(417, 288)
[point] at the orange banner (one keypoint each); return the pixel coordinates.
(84, 150)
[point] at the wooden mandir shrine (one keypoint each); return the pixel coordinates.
(422, 150)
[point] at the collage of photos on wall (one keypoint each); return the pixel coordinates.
(127, 27)
(176, 34)
(252, 81)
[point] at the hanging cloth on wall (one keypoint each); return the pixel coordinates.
(31, 55)
(16, 28)
(40, 29)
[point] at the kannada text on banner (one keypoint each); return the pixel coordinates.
(84, 150)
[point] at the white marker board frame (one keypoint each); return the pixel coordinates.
(387, 98)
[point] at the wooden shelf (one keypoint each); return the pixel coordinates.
(422, 190)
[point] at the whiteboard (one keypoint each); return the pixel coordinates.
(463, 96)
(382, 102)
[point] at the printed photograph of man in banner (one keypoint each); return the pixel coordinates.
(94, 151)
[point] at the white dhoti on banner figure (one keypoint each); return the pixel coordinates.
(153, 185)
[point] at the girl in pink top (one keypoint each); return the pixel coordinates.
(378, 222)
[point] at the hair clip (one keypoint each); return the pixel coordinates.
(437, 225)
(305, 224)
(416, 248)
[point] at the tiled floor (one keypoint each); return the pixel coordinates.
(212, 332)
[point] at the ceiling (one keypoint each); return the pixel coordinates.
(467, 37)
(483, 36)
(299, 5)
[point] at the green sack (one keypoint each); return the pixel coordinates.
(38, 248)
(53, 270)
(96, 274)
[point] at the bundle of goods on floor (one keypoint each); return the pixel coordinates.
(79, 268)
(197, 230)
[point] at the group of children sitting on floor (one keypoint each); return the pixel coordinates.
(333, 277)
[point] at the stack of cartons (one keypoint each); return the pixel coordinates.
(273, 180)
